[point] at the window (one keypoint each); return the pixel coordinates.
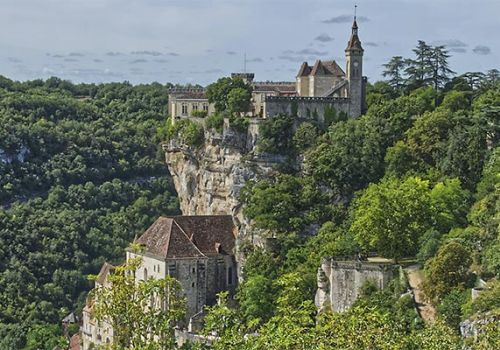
(230, 275)
(184, 109)
(192, 284)
(195, 107)
(205, 107)
(193, 270)
(145, 274)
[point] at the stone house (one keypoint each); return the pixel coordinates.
(198, 251)
(93, 332)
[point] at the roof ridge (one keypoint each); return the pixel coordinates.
(185, 234)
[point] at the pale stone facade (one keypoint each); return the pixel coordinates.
(316, 85)
(95, 333)
(198, 251)
(339, 282)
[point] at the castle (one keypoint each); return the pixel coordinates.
(317, 88)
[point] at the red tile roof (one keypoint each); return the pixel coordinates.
(106, 269)
(190, 236)
(74, 342)
(327, 68)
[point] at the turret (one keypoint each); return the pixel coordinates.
(354, 71)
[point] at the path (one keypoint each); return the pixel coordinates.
(415, 279)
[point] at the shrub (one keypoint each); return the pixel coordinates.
(199, 114)
(215, 121)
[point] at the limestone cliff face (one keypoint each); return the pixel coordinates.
(208, 179)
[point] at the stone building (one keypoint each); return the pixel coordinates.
(93, 332)
(339, 282)
(198, 251)
(318, 88)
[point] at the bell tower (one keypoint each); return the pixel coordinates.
(354, 71)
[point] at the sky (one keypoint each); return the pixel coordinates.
(198, 41)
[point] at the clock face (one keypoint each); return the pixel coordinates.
(355, 63)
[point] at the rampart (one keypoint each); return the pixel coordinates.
(339, 282)
(305, 107)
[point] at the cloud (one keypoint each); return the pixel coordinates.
(481, 50)
(146, 53)
(231, 53)
(345, 19)
(213, 71)
(458, 50)
(311, 52)
(324, 38)
(71, 60)
(290, 58)
(370, 43)
(113, 54)
(76, 54)
(57, 56)
(174, 54)
(161, 60)
(256, 59)
(97, 60)
(14, 60)
(139, 60)
(450, 43)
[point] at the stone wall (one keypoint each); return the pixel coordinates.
(305, 107)
(339, 282)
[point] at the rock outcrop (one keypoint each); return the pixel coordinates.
(209, 178)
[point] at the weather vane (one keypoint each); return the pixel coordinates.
(355, 8)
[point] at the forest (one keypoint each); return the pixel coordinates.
(415, 180)
(81, 174)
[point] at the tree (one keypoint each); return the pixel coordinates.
(441, 71)
(391, 216)
(419, 69)
(447, 270)
(394, 69)
(220, 94)
(238, 100)
(141, 314)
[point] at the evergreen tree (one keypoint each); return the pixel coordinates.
(441, 71)
(419, 69)
(394, 69)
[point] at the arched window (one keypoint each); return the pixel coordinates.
(145, 274)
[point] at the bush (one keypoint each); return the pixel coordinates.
(215, 121)
(450, 307)
(186, 131)
(199, 114)
(240, 124)
(305, 136)
(276, 135)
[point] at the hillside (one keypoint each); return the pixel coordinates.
(80, 175)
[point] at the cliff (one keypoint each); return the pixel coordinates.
(209, 178)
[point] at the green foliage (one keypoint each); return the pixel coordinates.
(45, 337)
(391, 216)
(240, 124)
(447, 270)
(305, 136)
(199, 114)
(186, 132)
(215, 121)
(488, 299)
(142, 314)
(91, 178)
(284, 204)
(450, 307)
(276, 135)
(331, 116)
(230, 94)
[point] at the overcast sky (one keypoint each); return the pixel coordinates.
(197, 41)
